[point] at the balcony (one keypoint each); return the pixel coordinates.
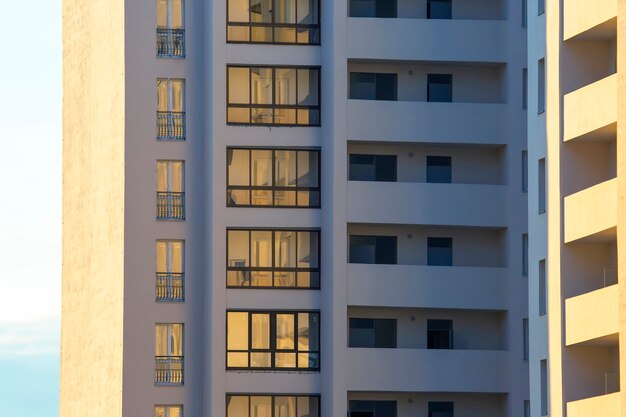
(420, 286)
(170, 125)
(421, 203)
(423, 370)
(590, 215)
(582, 22)
(593, 318)
(590, 113)
(602, 406)
(170, 287)
(170, 206)
(170, 43)
(419, 121)
(443, 40)
(169, 370)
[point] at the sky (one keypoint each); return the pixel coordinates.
(30, 208)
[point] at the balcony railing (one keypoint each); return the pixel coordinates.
(169, 370)
(170, 206)
(171, 43)
(170, 125)
(170, 286)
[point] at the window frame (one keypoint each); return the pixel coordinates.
(250, 269)
(250, 25)
(273, 395)
(272, 350)
(175, 120)
(273, 188)
(250, 106)
(168, 408)
(169, 355)
(374, 322)
(169, 276)
(168, 200)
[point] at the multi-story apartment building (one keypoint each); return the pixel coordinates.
(287, 208)
(576, 209)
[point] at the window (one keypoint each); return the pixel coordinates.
(273, 258)
(169, 354)
(541, 7)
(526, 338)
(170, 190)
(544, 386)
(373, 249)
(272, 405)
(170, 29)
(525, 254)
(272, 340)
(439, 169)
(439, 251)
(525, 88)
(373, 167)
(439, 334)
(374, 8)
(274, 21)
(273, 178)
(526, 408)
(440, 409)
(170, 270)
(542, 287)
(541, 86)
(439, 9)
(170, 109)
(373, 86)
(274, 95)
(372, 408)
(439, 88)
(168, 411)
(541, 186)
(524, 171)
(372, 333)
(524, 13)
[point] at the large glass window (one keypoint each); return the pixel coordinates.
(373, 249)
(439, 251)
(439, 169)
(169, 354)
(439, 88)
(372, 333)
(373, 167)
(374, 8)
(170, 29)
(439, 334)
(272, 405)
(170, 190)
(170, 270)
(274, 95)
(170, 109)
(274, 21)
(273, 258)
(373, 86)
(361, 408)
(273, 178)
(272, 340)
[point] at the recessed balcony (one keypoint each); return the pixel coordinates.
(421, 203)
(590, 215)
(423, 286)
(427, 370)
(593, 318)
(441, 40)
(590, 113)
(583, 20)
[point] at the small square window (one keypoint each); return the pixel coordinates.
(439, 334)
(439, 88)
(439, 9)
(439, 169)
(440, 251)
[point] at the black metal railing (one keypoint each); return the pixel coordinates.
(169, 370)
(170, 125)
(170, 286)
(170, 206)
(171, 43)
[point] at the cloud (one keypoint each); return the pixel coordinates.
(30, 338)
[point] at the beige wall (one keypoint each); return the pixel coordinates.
(93, 208)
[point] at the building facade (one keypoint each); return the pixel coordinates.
(575, 207)
(287, 208)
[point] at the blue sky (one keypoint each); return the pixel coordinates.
(30, 209)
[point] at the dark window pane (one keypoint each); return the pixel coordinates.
(439, 169)
(385, 333)
(439, 9)
(440, 87)
(440, 409)
(386, 249)
(361, 333)
(363, 249)
(386, 8)
(385, 409)
(386, 168)
(386, 86)
(362, 86)
(373, 167)
(362, 8)
(440, 251)
(439, 334)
